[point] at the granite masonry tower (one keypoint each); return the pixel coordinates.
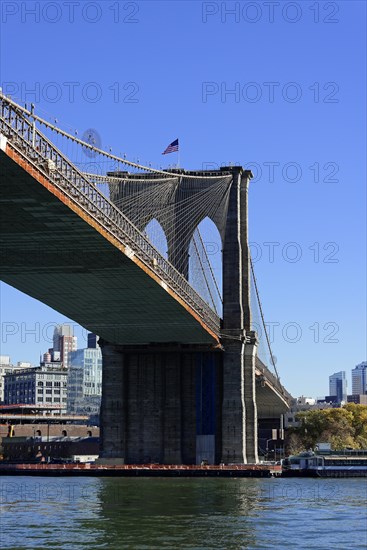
(180, 403)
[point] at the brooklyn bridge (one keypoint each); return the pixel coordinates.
(187, 376)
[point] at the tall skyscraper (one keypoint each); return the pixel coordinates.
(92, 340)
(85, 379)
(64, 342)
(338, 386)
(359, 379)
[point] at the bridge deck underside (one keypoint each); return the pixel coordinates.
(270, 404)
(50, 253)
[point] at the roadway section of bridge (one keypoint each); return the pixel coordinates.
(179, 384)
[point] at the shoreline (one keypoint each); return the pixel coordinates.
(141, 470)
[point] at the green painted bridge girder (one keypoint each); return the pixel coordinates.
(50, 253)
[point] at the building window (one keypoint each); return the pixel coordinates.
(48, 399)
(48, 391)
(40, 384)
(40, 391)
(57, 392)
(48, 383)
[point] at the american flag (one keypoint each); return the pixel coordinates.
(172, 147)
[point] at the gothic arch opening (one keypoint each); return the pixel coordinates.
(205, 263)
(156, 235)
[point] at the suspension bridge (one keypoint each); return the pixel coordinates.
(116, 246)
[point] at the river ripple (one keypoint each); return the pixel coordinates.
(119, 513)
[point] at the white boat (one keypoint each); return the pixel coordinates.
(347, 463)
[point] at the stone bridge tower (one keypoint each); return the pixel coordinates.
(177, 403)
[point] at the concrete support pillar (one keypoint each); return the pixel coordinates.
(232, 264)
(245, 253)
(251, 340)
(250, 397)
(233, 407)
(161, 405)
(113, 406)
(239, 418)
(145, 398)
(239, 410)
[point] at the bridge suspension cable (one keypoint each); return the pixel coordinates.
(178, 206)
(174, 199)
(27, 142)
(257, 294)
(96, 150)
(209, 263)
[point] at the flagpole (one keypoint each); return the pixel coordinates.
(178, 156)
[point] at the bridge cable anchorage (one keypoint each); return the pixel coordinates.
(263, 320)
(95, 150)
(175, 197)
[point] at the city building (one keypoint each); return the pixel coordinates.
(359, 379)
(92, 340)
(5, 367)
(43, 385)
(338, 387)
(23, 365)
(301, 404)
(300, 401)
(63, 343)
(359, 399)
(85, 379)
(51, 448)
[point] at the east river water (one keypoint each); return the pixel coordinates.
(118, 513)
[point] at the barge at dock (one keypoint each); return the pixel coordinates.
(141, 470)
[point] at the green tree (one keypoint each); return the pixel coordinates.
(359, 423)
(341, 427)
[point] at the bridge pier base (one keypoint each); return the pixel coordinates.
(113, 405)
(239, 410)
(161, 404)
(251, 430)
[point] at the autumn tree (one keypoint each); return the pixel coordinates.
(341, 427)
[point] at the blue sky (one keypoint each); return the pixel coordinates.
(282, 93)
